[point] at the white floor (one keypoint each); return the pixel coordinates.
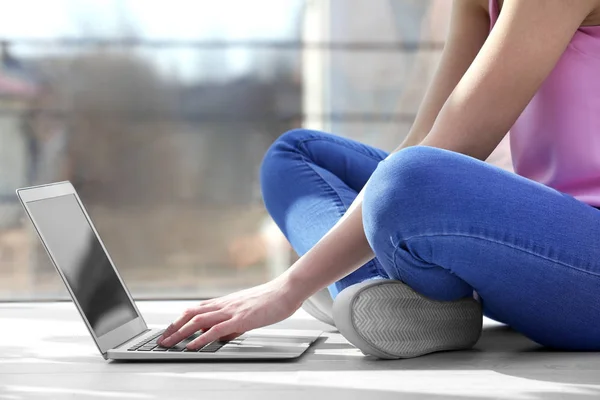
(46, 353)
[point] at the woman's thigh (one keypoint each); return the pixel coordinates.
(447, 224)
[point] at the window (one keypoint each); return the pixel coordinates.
(160, 112)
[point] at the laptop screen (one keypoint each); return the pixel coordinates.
(83, 262)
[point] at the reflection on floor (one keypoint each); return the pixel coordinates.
(46, 353)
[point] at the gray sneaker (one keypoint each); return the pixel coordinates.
(387, 319)
(320, 306)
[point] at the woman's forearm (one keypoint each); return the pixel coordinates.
(342, 250)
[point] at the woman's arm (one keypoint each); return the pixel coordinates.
(528, 39)
(522, 49)
(345, 248)
(469, 27)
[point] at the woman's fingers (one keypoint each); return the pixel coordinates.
(196, 323)
(218, 331)
(184, 318)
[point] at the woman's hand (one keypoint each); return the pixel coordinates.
(230, 316)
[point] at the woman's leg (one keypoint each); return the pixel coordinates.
(446, 224)
(309, 179)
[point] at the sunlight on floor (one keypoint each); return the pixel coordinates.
(10, 397)
(50, 392)
(466, 383)
(46, 339)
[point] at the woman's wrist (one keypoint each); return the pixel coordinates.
(296, 289)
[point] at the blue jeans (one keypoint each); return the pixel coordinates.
(447, 224)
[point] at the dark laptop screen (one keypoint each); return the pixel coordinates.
(83, 262)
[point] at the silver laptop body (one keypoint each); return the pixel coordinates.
(105, 304)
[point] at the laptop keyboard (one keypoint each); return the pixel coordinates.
(150, 344)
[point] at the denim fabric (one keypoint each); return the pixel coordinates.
(447, 224)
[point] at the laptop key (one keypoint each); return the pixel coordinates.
(212, 347)
(158, 348)
(151, 341)
(148, 343)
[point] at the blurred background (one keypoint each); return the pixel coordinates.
(159, 112)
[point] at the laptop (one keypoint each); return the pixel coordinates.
(105, 304)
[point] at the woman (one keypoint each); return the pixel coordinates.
(436, 235)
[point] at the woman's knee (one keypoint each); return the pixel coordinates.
(405, 198)
(400, 191)
(290, 142)
(278, 159)
(284, 148)
(279, 152)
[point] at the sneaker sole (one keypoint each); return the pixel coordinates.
(388, 319)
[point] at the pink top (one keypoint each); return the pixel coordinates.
(556, 140)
